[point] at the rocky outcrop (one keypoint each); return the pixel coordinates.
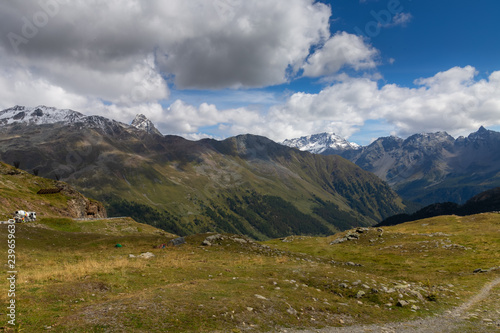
(79, 206)
(353, 235)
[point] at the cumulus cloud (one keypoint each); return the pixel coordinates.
(342, 49)
(21, 86)
(183, 118)
(105, 56)
(453, 100)
(87, 45)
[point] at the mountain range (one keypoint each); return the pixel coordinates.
(424, 168)
(246, 184)
(323, 143)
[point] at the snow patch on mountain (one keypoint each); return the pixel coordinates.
(321, 143)
(143, 123)
(39, 115)
(43, 115)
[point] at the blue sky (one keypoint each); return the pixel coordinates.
(283, 69)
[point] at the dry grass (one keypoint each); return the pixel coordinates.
(70, 272)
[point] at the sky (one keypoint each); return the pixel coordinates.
(279, 68)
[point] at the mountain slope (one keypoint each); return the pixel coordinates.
(246, 184)
(74, 279)
(487, 201)
(435, 167)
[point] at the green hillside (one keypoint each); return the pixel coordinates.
(18, 191)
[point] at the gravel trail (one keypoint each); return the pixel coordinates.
(451, 322)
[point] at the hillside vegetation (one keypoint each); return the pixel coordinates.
(72, 278)
(18, 191)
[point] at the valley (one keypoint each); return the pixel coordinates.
(230, 166)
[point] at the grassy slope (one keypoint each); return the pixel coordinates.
(72, 279)
(18, 191)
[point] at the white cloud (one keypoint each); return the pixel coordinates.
(401, 19)
(21, 86)
(452, 101)
(342, 49)
(183, 118)
(87, 46)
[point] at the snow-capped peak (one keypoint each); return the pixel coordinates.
(143, 123)
(42, 115)
(320, 143)
(38, 115)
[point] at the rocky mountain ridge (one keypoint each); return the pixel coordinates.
(43, 115)
(143, 123)
(322, 143)
(432, 167)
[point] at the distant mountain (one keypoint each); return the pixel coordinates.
(432, 167)
(39, 115)
(323, 143)
(488, 201)
(245, 184)
(141, 122)
(43, 115)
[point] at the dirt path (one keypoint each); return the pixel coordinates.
(450, 322)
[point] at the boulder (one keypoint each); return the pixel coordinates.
(352, 236)
(239, 240)
(360, 294)
(402, 303)
(177, 241)
(214, 238)
(338, 241)
(146, 255)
